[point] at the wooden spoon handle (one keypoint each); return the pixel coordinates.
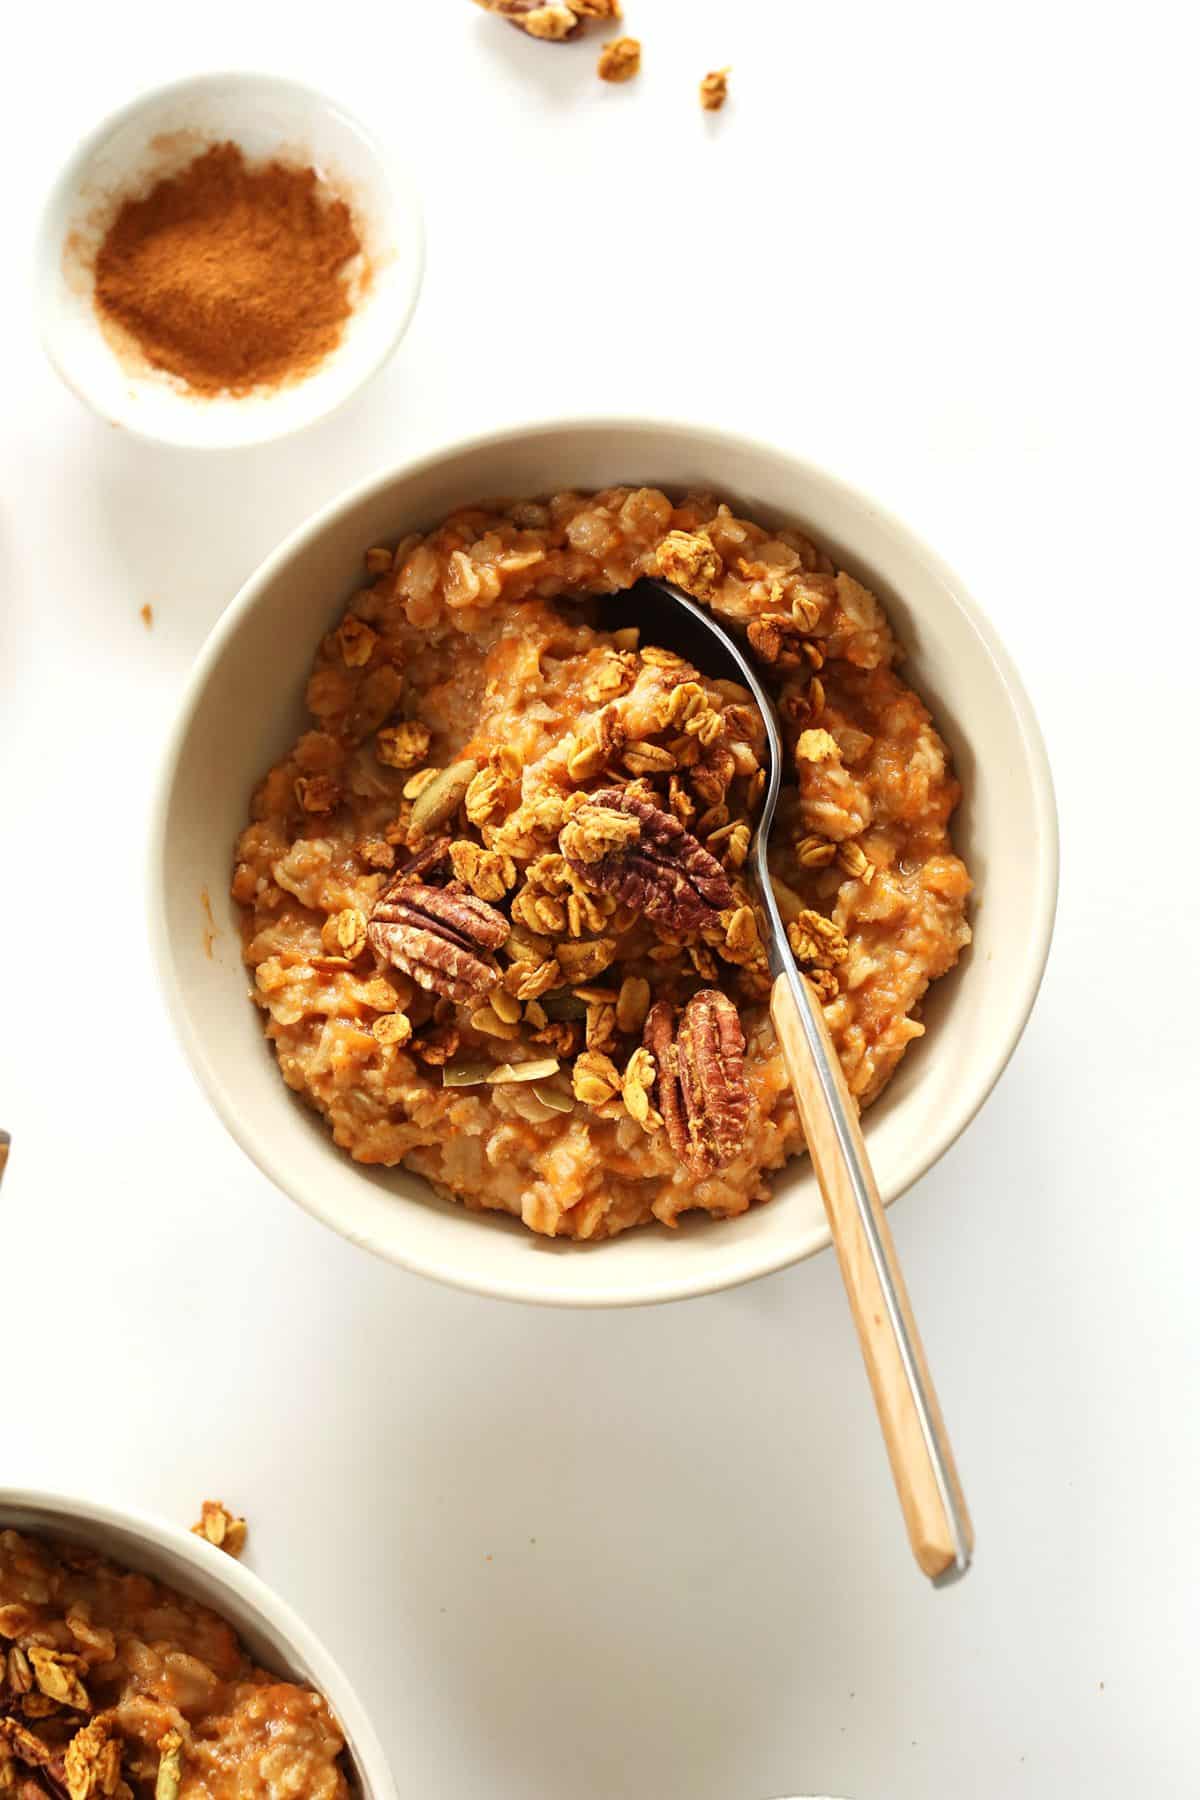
(928, 1497)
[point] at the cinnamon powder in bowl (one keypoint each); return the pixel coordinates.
(226, 260)
(231, 277)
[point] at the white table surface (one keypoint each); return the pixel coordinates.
(657, 1553)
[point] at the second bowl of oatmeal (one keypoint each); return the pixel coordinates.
(149, 1661)
(482, 855)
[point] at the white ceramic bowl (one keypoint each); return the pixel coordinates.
(268, 1628)
(159, 133)
(243, 708)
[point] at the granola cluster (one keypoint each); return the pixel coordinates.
(496, 899)
(113, 1687)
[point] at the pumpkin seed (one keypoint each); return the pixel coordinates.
(554, 1097)
(537, 1069)
(561, 1005)
(441, 798)
(526, 1105)
(466, 1074)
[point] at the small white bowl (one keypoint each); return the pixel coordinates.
(268, 1628)
(158, 134)
(243, 707)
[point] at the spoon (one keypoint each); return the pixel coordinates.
(935, 1513)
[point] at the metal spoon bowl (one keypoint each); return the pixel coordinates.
(923, 1468)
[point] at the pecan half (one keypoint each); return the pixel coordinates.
(666, 873)
(442, 937)
(700, 1083)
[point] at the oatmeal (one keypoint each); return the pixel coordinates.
(114, 1686)
(495, 899)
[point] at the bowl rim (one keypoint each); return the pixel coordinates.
(768, 1259)
(47, 248)
(255, 1595)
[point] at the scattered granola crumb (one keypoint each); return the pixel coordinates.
(714, 90)
(620, 60)
(5, 1146)
(147, 615)
(222, 1528)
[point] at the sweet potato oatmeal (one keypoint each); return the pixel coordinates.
(495, 901)
(114, 1686)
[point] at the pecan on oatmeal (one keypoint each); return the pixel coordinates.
(495, 900)
(647, 860)
(442, 937)
(699, 1080)
(144, 1694)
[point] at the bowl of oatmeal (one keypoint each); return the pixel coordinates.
(141, 1663)
(478, 852)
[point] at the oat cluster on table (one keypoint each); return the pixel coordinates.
(223, 1529)
(714, 90)
(620, 59)
(495, 898)
(115, 1687)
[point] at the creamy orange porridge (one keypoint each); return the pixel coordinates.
(495, 899)
(114, 1686)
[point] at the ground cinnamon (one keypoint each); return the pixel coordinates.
(228, 276)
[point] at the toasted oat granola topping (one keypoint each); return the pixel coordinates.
(637, 1084)
(403, 746)
(92, 1761)
(817, 747)
(690, 560)
(595, 1079)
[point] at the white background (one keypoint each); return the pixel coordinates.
(945, 250)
